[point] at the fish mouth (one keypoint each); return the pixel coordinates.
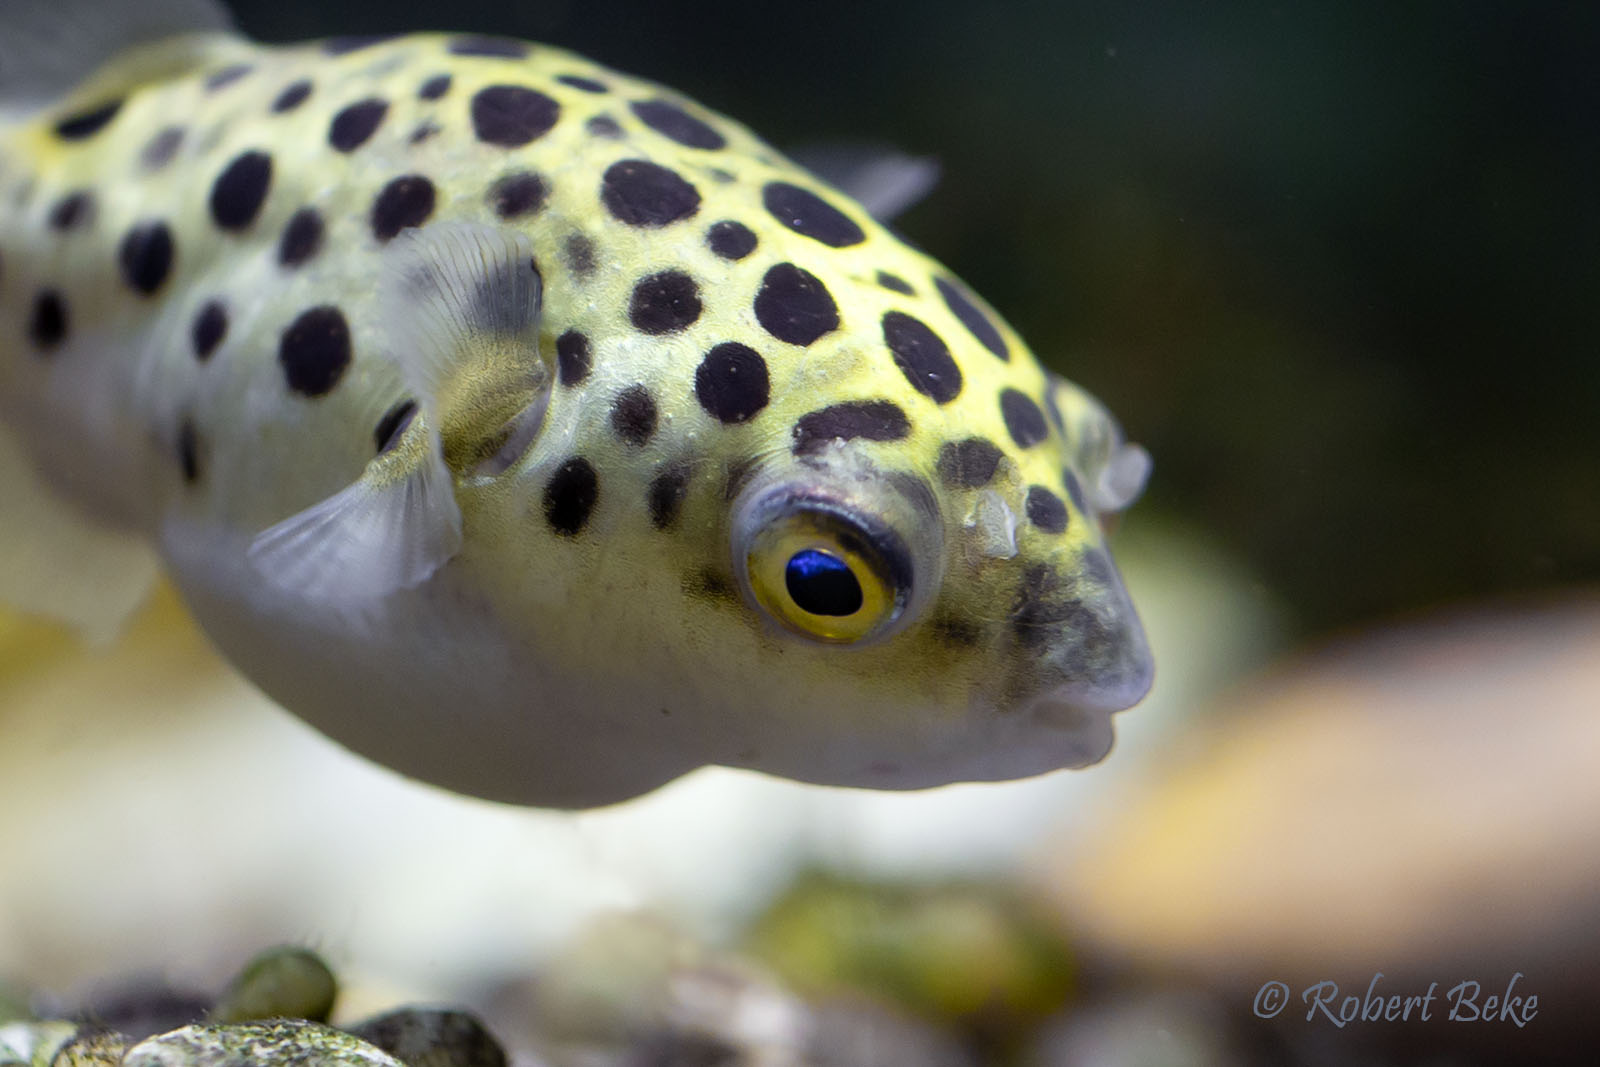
(1113, 686)
(1097, 668)
(1078, 713)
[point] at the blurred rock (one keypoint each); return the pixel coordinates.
(258, 1044)
(432, 1037)
(91, 1047)
(1147, 1030)
(855, 1032)
(33, 1044)
(634, 989)
(974, 959)
(281, 983)
(135, 1006)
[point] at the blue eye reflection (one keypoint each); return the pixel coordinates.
(822, 584)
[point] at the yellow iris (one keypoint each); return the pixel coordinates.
(821, 579)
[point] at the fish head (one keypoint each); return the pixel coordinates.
(826, 599)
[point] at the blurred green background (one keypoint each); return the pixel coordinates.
(1336, 268)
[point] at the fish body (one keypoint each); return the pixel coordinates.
(534, 431)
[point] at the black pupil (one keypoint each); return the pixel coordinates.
(822, 584)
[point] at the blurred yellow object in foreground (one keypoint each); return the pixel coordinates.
(1423, 797)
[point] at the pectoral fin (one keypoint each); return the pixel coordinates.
(391, 529)
(461, 305)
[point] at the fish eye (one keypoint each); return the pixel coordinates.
(828, 575)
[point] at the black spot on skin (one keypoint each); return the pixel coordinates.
(434, 88)
(794, 306)
(518, 194)
(665, 496)
(1024, 421)
(587, 85)
(189, 451)
(352, 126)
(406, 201)
(806, 213)
(641, 193)
(570, 496)
(579, 253)
(955, 631)
(976, 322)
(423, 131)
(160, 149)
(512, 115)
(47, 323)
(315, 350)
(873, 420)
(672, 121)
(494, 47)
(240, 190)
(339, 46)
(732, 383)
(71, 210)
(730, 240)
(1044, 607)
(1045, 510)
(145, 256)
(209, 328)
(294, 94)
(86, 124)
(603, 126)
(634, 415)
(573, 359)
(664, 303)
(968, 464)
(1069, 482)
(302, 237)
(720, 175)
(922, 357)
(227, 76)
(895, 283)
(387, 433)
(710, 585)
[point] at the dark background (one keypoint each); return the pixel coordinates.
(1336, 269)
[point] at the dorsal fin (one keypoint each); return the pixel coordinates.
(48, 47)
(461, 305)
(884, 180)
(1113, 469)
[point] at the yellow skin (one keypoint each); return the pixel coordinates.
(538, 664)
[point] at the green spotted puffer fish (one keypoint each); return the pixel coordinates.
(537, 432)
